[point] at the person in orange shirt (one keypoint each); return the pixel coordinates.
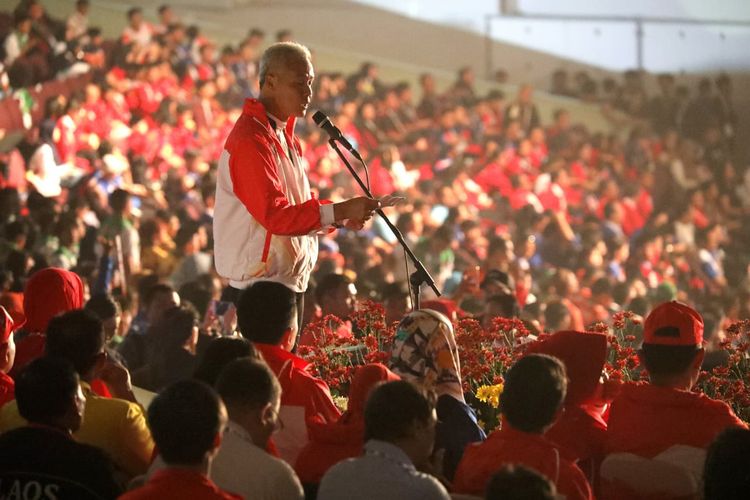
(531, 401)
(7, 356)
(580, 430)
(267, 316)
(649, 418)
(187, 421)
(332, 442)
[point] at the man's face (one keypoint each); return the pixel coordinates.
(342, 302)
(290, 85)
(161, 303)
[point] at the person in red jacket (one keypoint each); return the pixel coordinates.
(266, 217)
(580, 430)
(267, 316)
(330, 443)
(48, 292)
(532, 399)
(7, 356)
(187, 421)
(648, 418)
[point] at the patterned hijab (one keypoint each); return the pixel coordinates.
(425, 351)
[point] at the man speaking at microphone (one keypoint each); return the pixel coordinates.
(265, 218)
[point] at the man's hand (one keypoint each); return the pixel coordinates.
(358, 209)
(117, 379)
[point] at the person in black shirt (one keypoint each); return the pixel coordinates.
(42, 460)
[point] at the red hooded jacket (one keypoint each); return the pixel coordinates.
(48, 292)
(330, 443)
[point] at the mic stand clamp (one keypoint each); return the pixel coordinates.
(420, 276)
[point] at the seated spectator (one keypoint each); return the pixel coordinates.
(580, 430)
(400, 435)
(187, 421)
(252, 396)
(425, 352)
(7, 356)
(172, 351)
(516, 482)
(266, 315)
(646, 419)
(43, 456)
(48, 293)
(138, 31)
(78, 22)
(336, 295)
(219, 353)
(534, 392)
(330, 443)
(115, 425)
(725, 474)
(19, 42)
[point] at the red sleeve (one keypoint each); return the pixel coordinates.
(321, 399)
(256, 184)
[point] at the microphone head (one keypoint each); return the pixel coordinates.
(319, 118)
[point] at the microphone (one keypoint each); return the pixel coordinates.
(322, 121)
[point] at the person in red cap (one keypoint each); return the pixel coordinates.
(647, 418)
(330, 443)
(580, 430)
(532, 399)
(48, 292)
(7, 356)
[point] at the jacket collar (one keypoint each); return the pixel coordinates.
(276, 353)
(255, 109)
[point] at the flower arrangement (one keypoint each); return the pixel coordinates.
(623, 338)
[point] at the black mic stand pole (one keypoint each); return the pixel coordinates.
(420, 276)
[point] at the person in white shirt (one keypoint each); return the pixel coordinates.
(18, 42)
(252, 396)
(137, 31)
(78, 21)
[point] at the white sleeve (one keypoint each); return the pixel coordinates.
(326, 215)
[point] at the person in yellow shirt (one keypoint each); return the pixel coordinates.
(116, 425)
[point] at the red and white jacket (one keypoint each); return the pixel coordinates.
(265, 218)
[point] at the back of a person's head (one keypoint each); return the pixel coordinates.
(176, 326)
(393, 408)
(185, 420)
(77, 336)
(556, 315)
(265, 311)
(45, 389)
(725, 475)
(118, 200)
(516, 482)
(248, 383)
(103, 306)
(329, 284)
(535, 388)
(219, 353)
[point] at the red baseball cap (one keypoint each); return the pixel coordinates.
(673, 323)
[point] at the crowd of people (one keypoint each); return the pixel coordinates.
(106, 214)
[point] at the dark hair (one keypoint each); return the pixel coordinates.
(76, 336)
(184, 420)
(264, 312)
(45, 389)
(175, 327)
(247, 382)
(535, 388)
(162, 8)
(103, 306)
(155, 290)
(118, 200)
(517, 482)
(725, 474)
(393, 408)
(133, 11)
(329, 284)
(507, 303)
(554, 314)
(665, 360)
(219, 353)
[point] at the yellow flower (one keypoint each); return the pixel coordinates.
(490, 394)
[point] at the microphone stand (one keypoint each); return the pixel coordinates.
(420, 276)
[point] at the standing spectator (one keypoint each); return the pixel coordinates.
(166, 19)
(43, 456)
(19, 42)
(533, 395)
(78, 22)
(523, 110)
(137, 32)
(188, 421)
(400, 432)
(252, 396)
(120, 225)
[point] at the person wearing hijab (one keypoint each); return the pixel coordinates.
(330, 443)
(425, 352)
(48, 292)
(580, 430)
(7, 356)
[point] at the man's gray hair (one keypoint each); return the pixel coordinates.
(280, 54)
